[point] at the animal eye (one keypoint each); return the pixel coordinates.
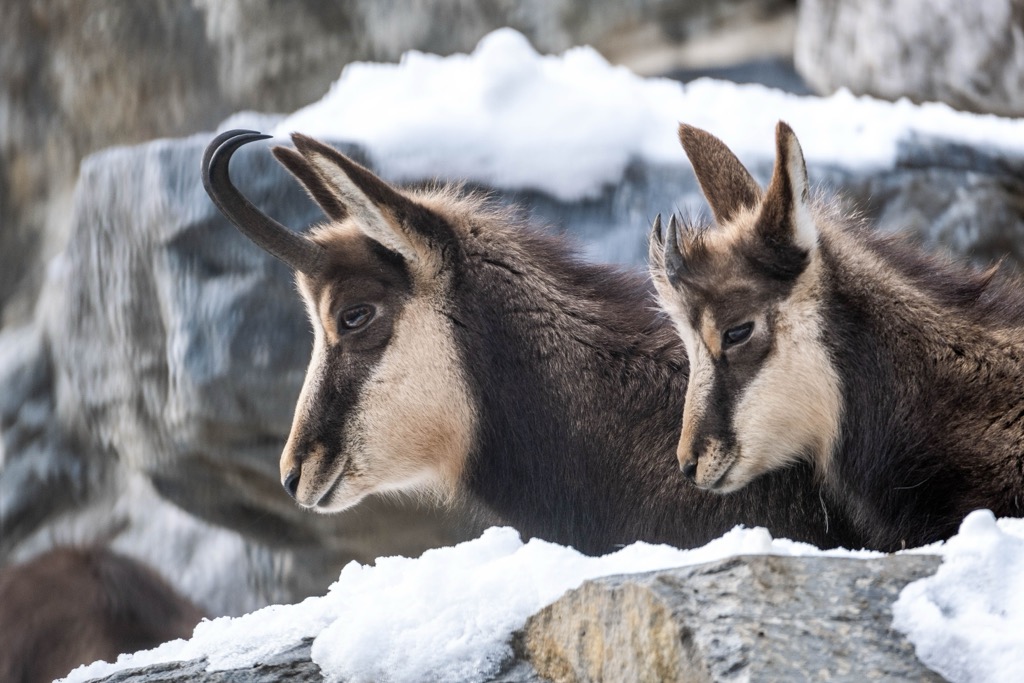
(737, 335)
(354, 317)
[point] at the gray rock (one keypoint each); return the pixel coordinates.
(969, 55)
(968, 201)
(292, 665)
(75, 78)
(758, 618)
(36, 457)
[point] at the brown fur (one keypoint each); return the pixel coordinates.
(500, 368)
(73, 606)
(899, 376)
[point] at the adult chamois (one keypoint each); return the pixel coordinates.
(458, 353)
(72, 606)
(814, 339)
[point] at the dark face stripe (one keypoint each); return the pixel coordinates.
(732, 372)
(360, 272)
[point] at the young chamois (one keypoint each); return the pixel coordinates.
(813, 339)
(73, 606)
(458, 353)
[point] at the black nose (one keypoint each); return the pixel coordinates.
(291, 483)
(690, 470)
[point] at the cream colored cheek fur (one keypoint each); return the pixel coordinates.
(792, 407)
(414, 424)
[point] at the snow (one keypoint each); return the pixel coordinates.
(967, 621)
(569, 124)
(449, 615)
(445, 616)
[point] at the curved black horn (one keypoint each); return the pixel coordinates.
(675, 265)
(656, 237)
(274, 238)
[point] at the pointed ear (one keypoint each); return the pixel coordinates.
(785, 218)
(311, 180)
(725, 182)
(383, 213)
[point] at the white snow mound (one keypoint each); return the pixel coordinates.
(967, 621)
(446, 616)
(449, 615)
(511, 118)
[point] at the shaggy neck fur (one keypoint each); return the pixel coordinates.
(932, 360)
(579, 383)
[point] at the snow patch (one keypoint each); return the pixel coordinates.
(967, 621)
(510, 118)
(449, 615)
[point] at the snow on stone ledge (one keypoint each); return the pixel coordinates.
(967, 621)
(445, 616)
(511, 118)
(448, 615)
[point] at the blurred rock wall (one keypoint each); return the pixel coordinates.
(969, 55)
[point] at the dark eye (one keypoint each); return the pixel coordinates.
(737, 335)
(354, 317)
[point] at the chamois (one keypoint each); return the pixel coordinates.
(812, 338)
(72, 606)
(458, 353)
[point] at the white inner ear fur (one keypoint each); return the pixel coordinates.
(805, 230)
(366, 215)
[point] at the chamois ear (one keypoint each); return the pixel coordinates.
(383, 213)
(725, 182)
(311, 180)
(785, 218)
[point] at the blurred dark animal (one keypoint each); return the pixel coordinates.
(458, 353)
(73, 606)
(814, 339)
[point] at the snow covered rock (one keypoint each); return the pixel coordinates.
(745, 606)
(969, 55)
(751, 618)
(577, 129)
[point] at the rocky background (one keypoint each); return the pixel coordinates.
(150, 357)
